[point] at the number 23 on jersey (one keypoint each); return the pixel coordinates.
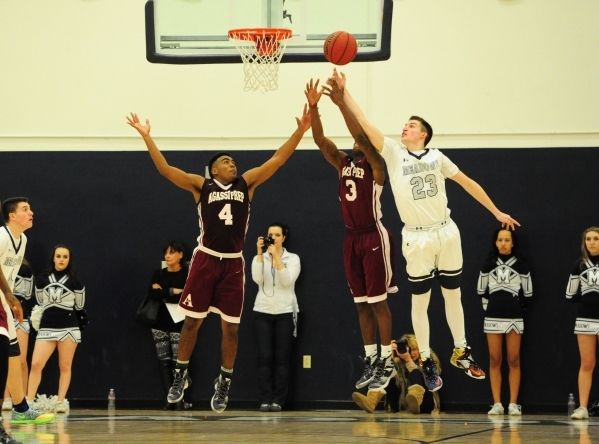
(418, 185)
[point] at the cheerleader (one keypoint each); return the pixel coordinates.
(586, 276)
(506, 289)
(60, 293)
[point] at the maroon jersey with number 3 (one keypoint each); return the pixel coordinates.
(359, 194)
(224, 212)
(368, 249)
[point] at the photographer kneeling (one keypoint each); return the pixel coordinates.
(408, 392)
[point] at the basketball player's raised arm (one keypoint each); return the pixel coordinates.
(258, 175)
(326, 146)
(189, 182)
(372, 155)
(476, 191)
(376, 137)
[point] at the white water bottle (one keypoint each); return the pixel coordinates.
(571, 404)
(111, 399)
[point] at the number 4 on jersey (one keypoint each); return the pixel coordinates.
(226, 215)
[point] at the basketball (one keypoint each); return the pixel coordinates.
(340, 48)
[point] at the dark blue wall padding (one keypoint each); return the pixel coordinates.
(116, 212)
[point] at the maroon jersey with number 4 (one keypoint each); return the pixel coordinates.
(359, 194)
(224, 212)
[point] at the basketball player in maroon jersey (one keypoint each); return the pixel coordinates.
(216, 274)
(368, 251)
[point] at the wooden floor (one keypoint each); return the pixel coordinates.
(316, 427)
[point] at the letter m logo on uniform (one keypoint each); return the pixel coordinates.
(187, 301)
(503, 275)
(593, 278)
(54, 293)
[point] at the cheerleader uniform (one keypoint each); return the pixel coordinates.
(23, 291)
(504, 278)
(585, 276)
(59, 297)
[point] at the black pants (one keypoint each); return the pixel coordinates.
(274, 338)
(414, 377)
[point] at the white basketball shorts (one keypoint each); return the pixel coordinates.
(427, 249)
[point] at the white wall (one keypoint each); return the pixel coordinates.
(485, 73)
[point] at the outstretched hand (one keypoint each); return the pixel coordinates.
(334, 92)
(312, 93)
(337, 77)
(506, 221)
(304, 122)
(133, 121)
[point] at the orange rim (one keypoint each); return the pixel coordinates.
(255, 33)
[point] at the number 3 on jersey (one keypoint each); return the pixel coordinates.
(418, 186)
(226, 215)
(352, 190)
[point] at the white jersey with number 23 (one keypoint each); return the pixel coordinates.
(418, 182)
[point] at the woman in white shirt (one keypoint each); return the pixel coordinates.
(275, 270)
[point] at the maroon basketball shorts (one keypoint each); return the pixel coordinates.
(214, 285)
(369, 258)
(3, 322)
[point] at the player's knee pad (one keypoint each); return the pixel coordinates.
(420, 287)
(450, 281)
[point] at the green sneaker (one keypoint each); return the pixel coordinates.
(31, 416)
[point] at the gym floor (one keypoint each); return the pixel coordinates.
(149, 426)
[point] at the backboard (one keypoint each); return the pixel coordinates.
(195, 31)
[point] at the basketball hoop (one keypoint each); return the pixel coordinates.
(261, 50)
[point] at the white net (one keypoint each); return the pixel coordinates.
(261, 52)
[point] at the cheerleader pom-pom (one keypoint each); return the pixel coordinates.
(36, 317)
(45, 403)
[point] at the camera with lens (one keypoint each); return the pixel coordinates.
(402, 346)
(268, 241)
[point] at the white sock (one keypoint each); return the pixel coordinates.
(420, 322)
(385, 351)
(370, 350)
(455, 316)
